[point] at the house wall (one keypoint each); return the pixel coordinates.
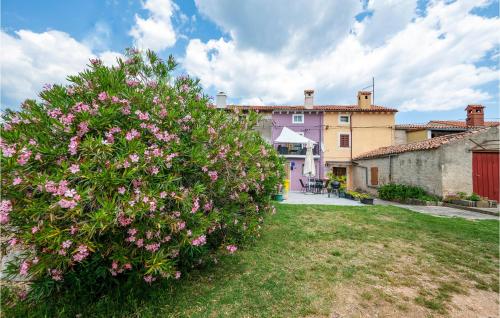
(419, 168)
(400, 137)
(312, 129)
(417, 135)
(369, 131)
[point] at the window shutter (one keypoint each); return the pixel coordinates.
(374, 176)
(344, 141)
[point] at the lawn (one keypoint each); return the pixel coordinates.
(327, 261)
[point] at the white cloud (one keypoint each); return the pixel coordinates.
(29, 60)
(419, 62)
(155, 32)
(99, 38)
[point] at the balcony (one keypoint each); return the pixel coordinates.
(295, 150)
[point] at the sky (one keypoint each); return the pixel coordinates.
(430, 59)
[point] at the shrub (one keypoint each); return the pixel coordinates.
(402, 192)
(474, 197)
(127, 173)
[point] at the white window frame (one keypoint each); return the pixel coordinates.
(344, 123)
(338, 140)
(297, 122)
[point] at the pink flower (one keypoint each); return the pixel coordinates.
(132, 134)
(24, 157)
(177, 275)
(82, 253)
(231, 248)
(70, 193)
(73, 145)
(134, 157)
(149, 279)
(121, 190)
(56, 274)
(34, 229)
(196, 205)
(5, 209)
(181, 226)
(17, 180)
(132, 231)
(124, 221)
(163, 194)
(67, 204)
(153, 247)
(213, 175)
(83, 128)
(13, 241)
(8, 151)
(66, 244)
(127, 266)
(155, 170)
(23, 269)
(102, 96)
(141, 115)
(199, 241)
(74, 168)
(139, 243)
(73, 230)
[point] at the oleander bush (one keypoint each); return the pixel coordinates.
(128, 174)
(402, 192)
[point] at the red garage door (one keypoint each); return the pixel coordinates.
(485, 174)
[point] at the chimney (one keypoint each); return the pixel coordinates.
(364, 99)
(475, 115)
(221, 100)
(308, 98)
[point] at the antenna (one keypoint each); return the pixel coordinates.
(373, 89)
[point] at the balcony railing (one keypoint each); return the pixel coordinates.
(295, 149)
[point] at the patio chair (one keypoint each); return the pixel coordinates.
(304, 188)
(327, 183)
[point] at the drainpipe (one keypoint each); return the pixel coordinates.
(390, 168)
(321, 121)
(350, 142)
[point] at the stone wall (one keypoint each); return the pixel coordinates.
(457, 161)
(419, 168)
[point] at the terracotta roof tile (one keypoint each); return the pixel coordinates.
(339, 108)
(432, 143)
(427, 126)
(460, 123)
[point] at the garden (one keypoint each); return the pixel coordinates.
(321, 261)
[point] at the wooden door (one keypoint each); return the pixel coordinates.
(485, 174)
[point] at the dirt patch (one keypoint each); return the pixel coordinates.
(353, 301)
(478, 303)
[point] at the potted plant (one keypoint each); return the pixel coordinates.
(366, 198)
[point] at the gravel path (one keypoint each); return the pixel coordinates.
(441, 211)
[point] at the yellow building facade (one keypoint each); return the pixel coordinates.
(348, 134)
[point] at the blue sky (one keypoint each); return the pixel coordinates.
(429, 59)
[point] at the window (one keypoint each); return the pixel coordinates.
(343, 119)
(298, 118)
(374, 176)
(344, 141)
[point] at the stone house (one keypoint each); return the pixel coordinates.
(461, 162)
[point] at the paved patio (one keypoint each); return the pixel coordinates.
(306, 198)
(303, 198)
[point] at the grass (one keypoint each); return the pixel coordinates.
(322, 261)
